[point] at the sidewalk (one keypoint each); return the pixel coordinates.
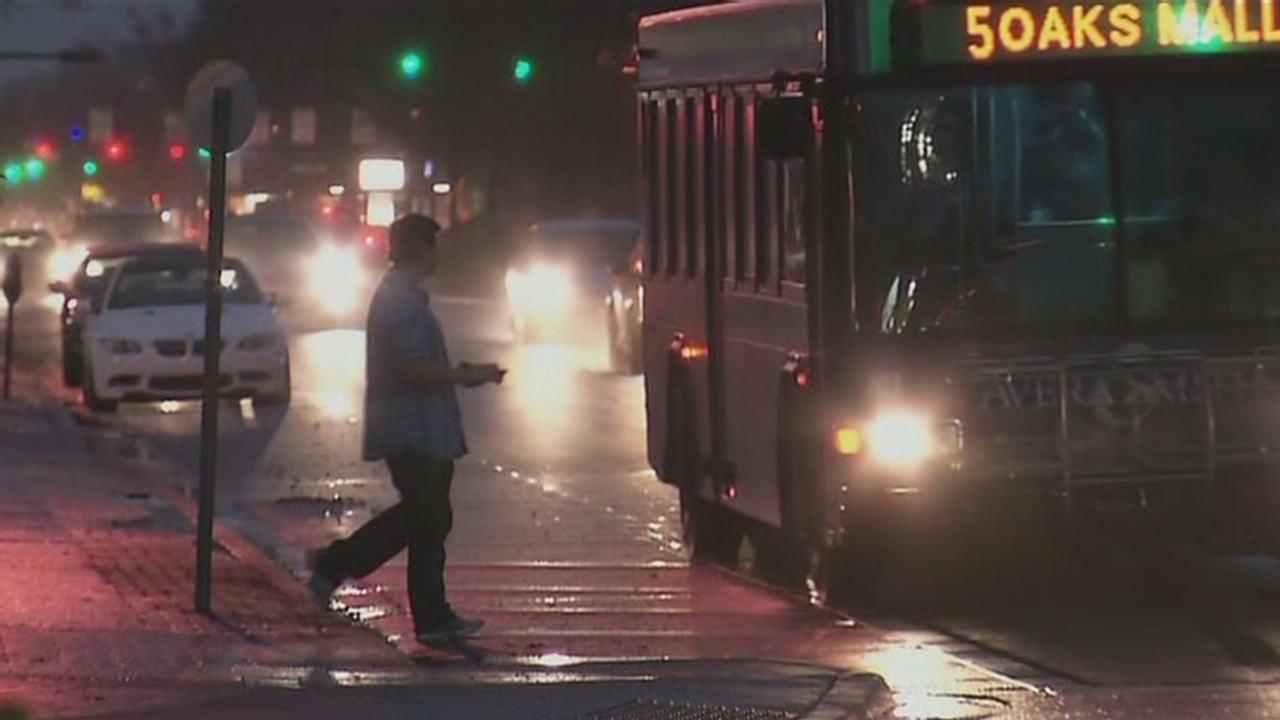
(96, 615)
(97, 620)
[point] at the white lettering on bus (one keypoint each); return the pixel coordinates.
(1153, 387)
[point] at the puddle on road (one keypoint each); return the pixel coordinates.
(921, 706)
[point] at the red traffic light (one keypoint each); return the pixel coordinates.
(116, 150)
(178, 152)
(45, 150)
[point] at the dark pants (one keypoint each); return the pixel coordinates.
(420, 521)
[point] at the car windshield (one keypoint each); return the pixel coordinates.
(597, 246)
(158, 285)
(1022, 208)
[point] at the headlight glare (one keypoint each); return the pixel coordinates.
(900, 439)
(897, 439)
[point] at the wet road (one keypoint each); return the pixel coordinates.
(570, 549)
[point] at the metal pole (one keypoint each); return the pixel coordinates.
(8, 349)
(212, 350)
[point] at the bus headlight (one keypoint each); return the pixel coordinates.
(898, 439)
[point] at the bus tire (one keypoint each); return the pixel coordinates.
(848, 574)
(711, 534)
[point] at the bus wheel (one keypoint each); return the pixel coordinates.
(711, 534)
(848, 574)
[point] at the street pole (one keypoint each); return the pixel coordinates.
(12, 291)
(212, 350)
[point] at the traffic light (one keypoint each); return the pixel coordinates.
(116, 150)
(178, 152)
(90, 168)
(34, 168)
(45, 150)
(523, 70)
(413, 65)
(13, 173)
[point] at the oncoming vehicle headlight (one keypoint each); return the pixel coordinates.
(257, 343)
(335, 277)
(335, 266)
(540, 284)
(898, 439)
(117, 346)
(62, 263)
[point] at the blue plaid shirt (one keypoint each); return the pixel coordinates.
(399, 416)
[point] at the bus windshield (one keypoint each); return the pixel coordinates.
(1018, 208)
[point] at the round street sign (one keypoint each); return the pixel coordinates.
(199, 110)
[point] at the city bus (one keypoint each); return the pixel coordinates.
(955, 253)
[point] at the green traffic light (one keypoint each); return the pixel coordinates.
(205, 154)
(35, 168)
(13, 173)
(90, 168)
(523, 70)
(412, 65)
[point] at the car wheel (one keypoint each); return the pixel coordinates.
(280, 398)
(72, 369)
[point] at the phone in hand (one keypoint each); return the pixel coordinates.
(491, 367)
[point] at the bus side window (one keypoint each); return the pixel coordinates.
(766, 225)
(676, 184)
(750, 194)
(742, 172)
(652, 182)
(694, 179)
(793, 186)
(729, 132)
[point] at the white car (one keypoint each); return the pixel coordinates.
(145, 342)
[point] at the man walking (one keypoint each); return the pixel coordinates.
(413, 423)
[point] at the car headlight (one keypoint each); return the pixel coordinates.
(62, 263)
(335, 266)
(258, 343)
(898, 439)
(540, 284)
(117, 346)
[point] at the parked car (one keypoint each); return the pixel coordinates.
(83, 290)
(145, 342)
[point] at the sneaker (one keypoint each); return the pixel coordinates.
(452, 628)
(321, 585)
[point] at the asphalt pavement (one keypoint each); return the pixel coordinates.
(570, 548)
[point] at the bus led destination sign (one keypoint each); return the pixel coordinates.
(1010, 31)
